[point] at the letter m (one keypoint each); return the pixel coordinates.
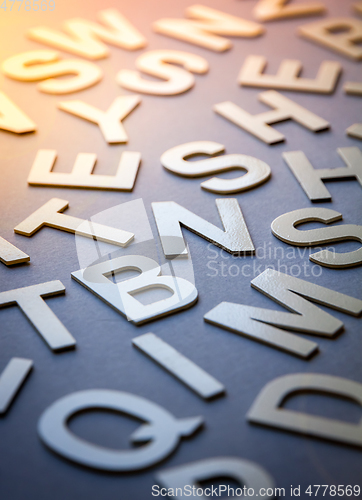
(268, 326)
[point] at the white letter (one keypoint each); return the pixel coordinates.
(170, 216)
(269, 10)
(162, 430)
(342, 34)
(30, 301)
(258, 125)
(181, 367)
(12, 118)
(30, 67)
(355, 131)
(260, 324)
(257, 171)
(81, 176)
(110, 121)
(10, 255)
(155, 63)
(266, 409)
(311, 179)
(120, 295)
(251, 75)
(11, 379)
(48, 215)
(206, 25)
(284, 228)
(82, 39)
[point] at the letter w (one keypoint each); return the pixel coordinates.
(83, 34)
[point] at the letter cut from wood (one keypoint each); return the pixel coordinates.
(269, 326)
(45, 65)
(11, 380)
(342, 35)
(311, 179)
(110, 122)
(85, 38)
(30, 300)
(82, 174)
(258, 125)
(162, 64)
(170, 216)
(287, 77)
(355, 131)
(178, 365)
(12, 118)
(205, 27)
(10, 255)
(267, 408)
(257, 171)
(51, 215)
(285, 229)
(271, 10)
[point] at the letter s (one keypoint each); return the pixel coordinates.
(44, 64)
(155, 63)
(284, 228)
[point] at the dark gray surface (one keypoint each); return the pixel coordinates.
(104, 357)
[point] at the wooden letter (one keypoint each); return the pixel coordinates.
(251, 75)
(156, 63)
(178, 365)
(82, 37)
(257, 171)
(11, 380)
(170, 216)
(258, 125)
(10, 255)
(120, 295)
(311, 179)
(358, 7)
(268, 326)
(48, 215)
(284, 227)
(342, 35)
(355, 131)
(161, 430)
(270, 10)
(204, 27)
(45, 64)
(110, 121)
(81, 176)
(30, 301)
(12, 118)
(353, 88)
(267, 408)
